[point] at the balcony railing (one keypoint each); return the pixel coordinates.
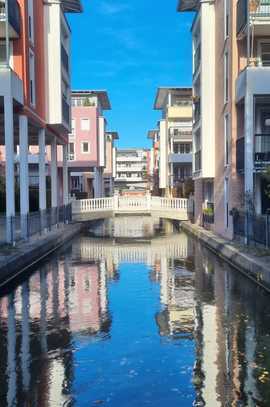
(240, 155)
(261, 150)
(197, 60)
(261, 9)
(65, 111)
(242, 15)
(13, 14)
(65, 59)
(197, 111)
(198, 160)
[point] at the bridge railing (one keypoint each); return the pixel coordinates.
(92, 205)
(124, 203)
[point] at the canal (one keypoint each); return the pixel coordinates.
(134, 313)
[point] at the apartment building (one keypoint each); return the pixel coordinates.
(231, 119)
(175, 139)
(90, 146)
(110, 169)
(34, 98)
(153, 135)
(132, 169)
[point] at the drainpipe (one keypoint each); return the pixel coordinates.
(7, 33)
(248, 35)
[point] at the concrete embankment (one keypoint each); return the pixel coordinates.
(253, 262)
(16, 260)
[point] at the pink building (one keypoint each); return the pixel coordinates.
(89, 150)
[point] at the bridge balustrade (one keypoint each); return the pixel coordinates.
(117, 203)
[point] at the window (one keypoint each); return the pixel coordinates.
(32, 78)
(31, 20)
(226, 18)
(2, 53)
(85, 124)
(85, 147)
(265, 53)
(226, 77)
(71, 153)
(73, 124)
(226, 140)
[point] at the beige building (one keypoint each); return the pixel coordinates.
(175, 139)
(231, 114)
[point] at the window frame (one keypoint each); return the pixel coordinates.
(82, 120)
(82, 147)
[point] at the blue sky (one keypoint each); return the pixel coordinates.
(130, 48)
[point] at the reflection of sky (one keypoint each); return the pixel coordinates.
(134, 366)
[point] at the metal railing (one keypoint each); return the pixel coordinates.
(245, 10)
(262, 149)
(35, 223)
(252, 227)
(65, 110)
(262, 10)
(197, 111)
(197, 60)
(13, 14)
(198, 160)
(64, 59)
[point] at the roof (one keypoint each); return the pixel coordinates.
(101, 94)
(72, 6)
(163, 92)
(188, 5)
(114, 134)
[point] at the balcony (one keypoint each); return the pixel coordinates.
(65, 111)
(198, 161)
(64, 59)
(197, 112)
(261, 151)
(258, 13)
(255, 79)
(178, 158)
(180, 111)
(13, 19)
(197, 61)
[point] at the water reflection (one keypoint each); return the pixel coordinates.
(156, 323)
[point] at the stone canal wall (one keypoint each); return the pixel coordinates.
(254, 263)
(15, 261)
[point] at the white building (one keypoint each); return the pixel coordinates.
(132, 169)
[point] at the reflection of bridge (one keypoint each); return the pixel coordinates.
(168, 208)
(171, 247)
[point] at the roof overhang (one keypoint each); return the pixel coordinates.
(162, 94)
(72, 6)
(152, 133)
(102, 96)
(188, 5)
(114, 134)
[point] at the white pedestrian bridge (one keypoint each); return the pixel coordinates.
(101, 208)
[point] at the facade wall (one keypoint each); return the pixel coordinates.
(90, 136)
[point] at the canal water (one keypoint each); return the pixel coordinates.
(156, 320)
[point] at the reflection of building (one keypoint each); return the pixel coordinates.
(40, 319)
(177, 296)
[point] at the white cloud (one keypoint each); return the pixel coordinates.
(111, 7)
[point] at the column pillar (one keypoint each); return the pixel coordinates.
(10, 181)
(65, 174)
(249, 145)
(42, 177)
(54, 175)
(24, 175)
